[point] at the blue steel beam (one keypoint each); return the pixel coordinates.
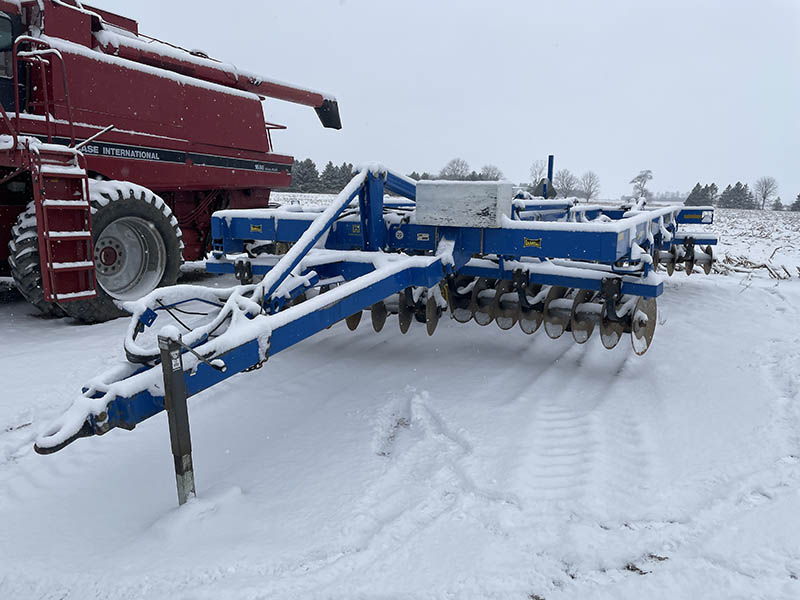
(293, 325)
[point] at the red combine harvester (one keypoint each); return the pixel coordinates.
(115, 149)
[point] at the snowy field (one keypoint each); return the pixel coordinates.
(474, 464)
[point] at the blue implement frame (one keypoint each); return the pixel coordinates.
(371, 254)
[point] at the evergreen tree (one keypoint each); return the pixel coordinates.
(725, 198)
(294, 187)
(415, 176)
(330, 178)
(748, 199)
(305, 177)
(711, 192)
(696, 197)
(702, 195)
(345, 174)
(796, 204)
(777, 205)
(737, 196)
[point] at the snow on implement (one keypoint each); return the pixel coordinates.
(463, 248)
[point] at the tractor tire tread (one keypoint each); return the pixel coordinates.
(24, 262)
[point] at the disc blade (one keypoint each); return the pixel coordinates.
(505, 323)
(581, 328)
(479, 304)
(404, 314)
(530, 320)
(480, 285)
(710, 263)
(482, 318)
(610, 332)
(353, 321)
(554, 324)
(643, 324)
(432, 314)
(462, 315)
(460, 302)
(676, 256)
(378, 313)
(507, 307)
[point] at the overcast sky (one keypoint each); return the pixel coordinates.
(704, 90)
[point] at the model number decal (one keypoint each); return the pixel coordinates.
(256, 228)
(423, 237)
(532, 243)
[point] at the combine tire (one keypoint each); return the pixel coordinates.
(23, 258)
(137, 248)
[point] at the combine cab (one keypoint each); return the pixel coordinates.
(115, 149)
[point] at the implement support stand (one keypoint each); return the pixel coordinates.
(178, 416)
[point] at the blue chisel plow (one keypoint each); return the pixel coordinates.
(570, 267)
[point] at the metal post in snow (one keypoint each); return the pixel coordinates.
(177, 413)
(549, 182)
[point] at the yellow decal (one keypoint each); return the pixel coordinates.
(533, 243)
(256, 229)
(692, 216)
(356, 229)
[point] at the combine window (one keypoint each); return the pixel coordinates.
(6, 46)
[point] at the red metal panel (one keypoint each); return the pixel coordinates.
(216, 72)
(67, 23)
(104, 93)
(115, 19)
(11, 8)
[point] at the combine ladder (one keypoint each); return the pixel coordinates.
(64, 219)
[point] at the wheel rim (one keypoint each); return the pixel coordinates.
(130, 258)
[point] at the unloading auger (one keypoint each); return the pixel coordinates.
(468, 249)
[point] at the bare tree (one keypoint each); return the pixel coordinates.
(538, 171)
(456, 169)
(565, 182)
(765, 188)
(491, 173)
(640, 184)
(589, 185)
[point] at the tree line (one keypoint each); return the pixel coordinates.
(565, 182)
(458, 169)
(739, 195)
(307, 178)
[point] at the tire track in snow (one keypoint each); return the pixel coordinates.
(583, 450)
(738, 493)
(424, 481)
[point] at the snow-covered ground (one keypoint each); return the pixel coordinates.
(763, 237)
(474, 464)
